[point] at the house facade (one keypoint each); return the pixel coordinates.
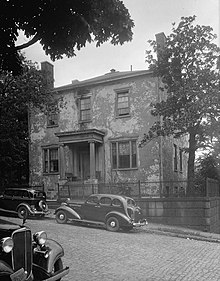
(93, 134)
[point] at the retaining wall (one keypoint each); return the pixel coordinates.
(200, 213)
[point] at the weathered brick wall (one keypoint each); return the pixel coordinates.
(196, 213)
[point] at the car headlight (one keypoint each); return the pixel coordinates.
(7, 244)
(40, 237)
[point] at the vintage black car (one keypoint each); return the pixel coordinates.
(111, 211)
(27, 257)
(24, 202)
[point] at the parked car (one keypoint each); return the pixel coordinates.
(24, 202)
(111, 211)
(27, 257)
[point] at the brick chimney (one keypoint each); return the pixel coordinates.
(161, 43)
(47, 69)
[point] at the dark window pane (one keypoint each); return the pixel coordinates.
(114, 156)
(124, 155)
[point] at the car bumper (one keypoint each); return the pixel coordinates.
(140, 223)
(39, 213)
(58, 275)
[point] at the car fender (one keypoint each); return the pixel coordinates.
(122, 217)
(26, 206)
(56, 251)
(70, 212)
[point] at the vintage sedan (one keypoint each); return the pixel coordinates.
(27, 257)
(24, 202)
(111, 211)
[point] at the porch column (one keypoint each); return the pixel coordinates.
(92, 159)
(62, 162)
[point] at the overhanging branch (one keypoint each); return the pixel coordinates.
(29, 43)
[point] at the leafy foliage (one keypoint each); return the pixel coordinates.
(17, 95)
(61, 27)
(187, 65)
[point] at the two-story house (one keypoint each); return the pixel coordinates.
(93, 133)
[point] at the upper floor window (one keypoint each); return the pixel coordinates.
(124, 154)
(122, 103)
(50, 160)
(85, 109)
(52, 116)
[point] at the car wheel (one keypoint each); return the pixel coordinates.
(112, 224)
(22, 212)
(43, 205)
(61, 217)
(58, 266)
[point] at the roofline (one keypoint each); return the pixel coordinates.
(90, 81)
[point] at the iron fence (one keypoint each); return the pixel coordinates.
(141, 189)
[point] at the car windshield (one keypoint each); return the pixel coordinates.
(131, 202)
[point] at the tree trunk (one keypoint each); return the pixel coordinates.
(191, 162)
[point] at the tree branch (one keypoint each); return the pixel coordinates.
(28, 44)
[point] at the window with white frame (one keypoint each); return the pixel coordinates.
(124, 154)
(85, 109)
(122, 103)
(50, 160)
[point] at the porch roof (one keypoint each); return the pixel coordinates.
(90, 135)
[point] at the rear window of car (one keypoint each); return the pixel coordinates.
(39, 194)
(105, 201)
(131, 202)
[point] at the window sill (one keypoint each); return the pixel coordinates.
(52, 126)
(123, 116)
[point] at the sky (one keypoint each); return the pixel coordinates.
(150, 17)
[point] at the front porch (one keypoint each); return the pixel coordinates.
(81, 156)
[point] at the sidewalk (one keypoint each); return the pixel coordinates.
(175, 231)
(181, 232)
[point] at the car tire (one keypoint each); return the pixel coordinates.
(112, 224)
(22, 212)
(43, 206)
(61, 217)
(58, 266)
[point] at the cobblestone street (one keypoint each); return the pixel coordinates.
(96, 254)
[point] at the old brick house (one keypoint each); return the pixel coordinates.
(94, 135)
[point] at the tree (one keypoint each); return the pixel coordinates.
(187, 67)
(61, 27)
(17, 95)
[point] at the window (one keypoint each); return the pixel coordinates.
(52, 116)
(85, 109)
(52, 119)
(124, 154)
(175, 157)
(51, 162)
(105, 201)
(92, 200)
(123, 104)
(181, 159)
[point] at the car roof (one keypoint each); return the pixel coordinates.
(23, 189)
(111, 195)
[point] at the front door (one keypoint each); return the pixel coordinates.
(84, 164)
